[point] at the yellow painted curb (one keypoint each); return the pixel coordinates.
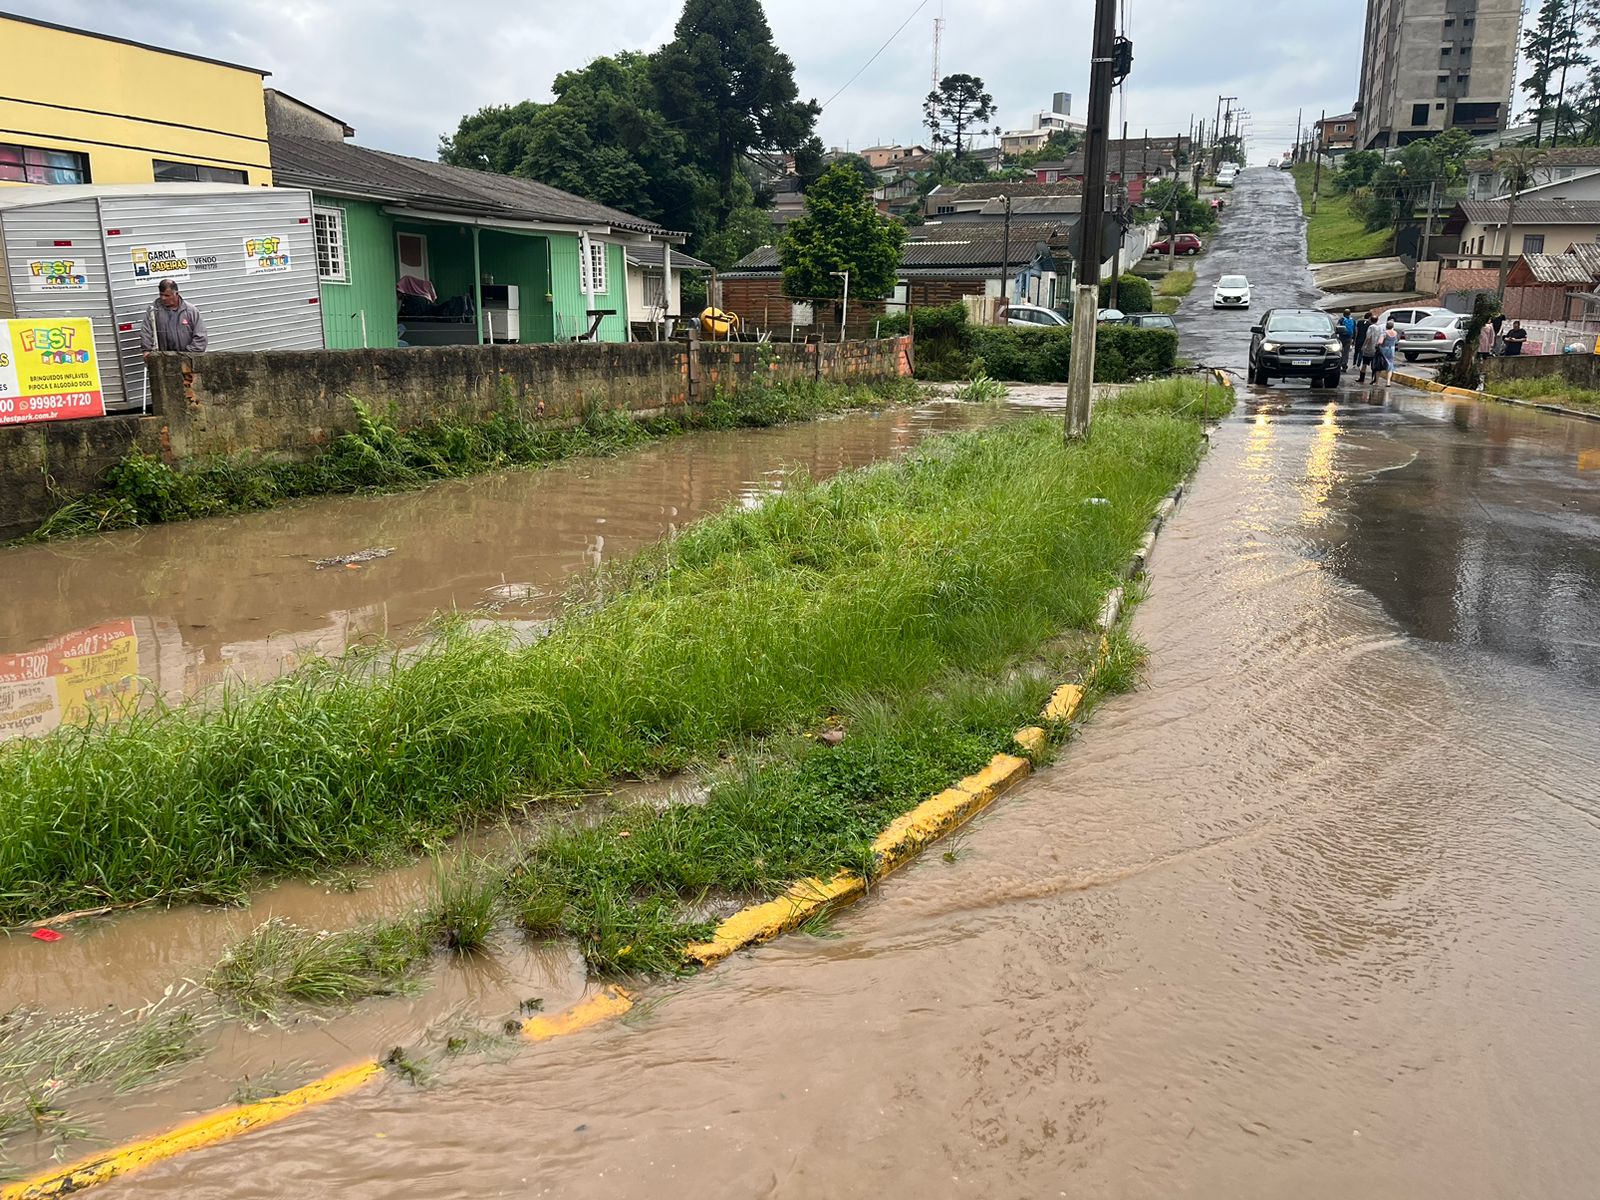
(1033, 739)
(763, 922)
(205, 1131)
(1064, 702)
(608, 1002)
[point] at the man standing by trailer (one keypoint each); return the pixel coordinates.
(172, 323)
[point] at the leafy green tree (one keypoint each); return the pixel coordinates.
(861, 167)
(602, 138)
(958, 104)
(1357, 168)
(1194, 215)
(747, 228)
(727, 88)
(841, 230)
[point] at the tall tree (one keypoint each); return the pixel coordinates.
(958, 104)
(603, 138)
(1554, 44)
(841, 230)
(728, 89)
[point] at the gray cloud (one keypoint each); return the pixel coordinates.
(405, 74)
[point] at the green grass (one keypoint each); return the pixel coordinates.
(1550, 389)
(1176, 283)
(873, 586)
(141, 490)
(1335, 234)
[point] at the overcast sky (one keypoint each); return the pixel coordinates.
(403, 74)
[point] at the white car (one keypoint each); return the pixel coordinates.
(1435, 337)
(1273, 164)
(1232, 291)
(1408, 317)
(1031, 316)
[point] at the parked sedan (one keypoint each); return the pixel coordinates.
(1232, 291)
(1153, 321)
(1187, 243)
(1436, 337)
(1295, 342)
(1407, 317)
(1031, 316)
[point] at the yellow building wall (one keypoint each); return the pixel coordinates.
(125, 105)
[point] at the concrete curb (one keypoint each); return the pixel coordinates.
(903, 840)
(1433, 385)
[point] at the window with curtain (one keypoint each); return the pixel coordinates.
(36, 164)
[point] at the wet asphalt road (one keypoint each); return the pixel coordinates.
(1314, 913)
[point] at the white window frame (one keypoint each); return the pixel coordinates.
(592, 274)
(326, 216)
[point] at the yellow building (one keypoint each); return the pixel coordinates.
(89, 108)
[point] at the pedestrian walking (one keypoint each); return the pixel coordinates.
(1486, 341)
(1387, 341)
(1499, 337)
(172, 323)
(1347, 338)
(1367, 353)
(1514, 339)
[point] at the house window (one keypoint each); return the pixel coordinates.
(34, 164)
(944, 208)
(1338, 128)
(329, 226)
(655, 292)
(167, 171)
(592, 276)
(1419, 114)
(1533, 243)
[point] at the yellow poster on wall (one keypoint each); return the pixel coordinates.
(49, 370)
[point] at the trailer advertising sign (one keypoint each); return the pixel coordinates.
(57, 275)
(170, 261)
(49, 370)
(267, 255)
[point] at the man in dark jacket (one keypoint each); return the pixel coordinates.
(172, 323)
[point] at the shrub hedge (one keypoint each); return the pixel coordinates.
(1134, 294)
(948, 347)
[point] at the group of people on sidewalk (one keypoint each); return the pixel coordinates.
(1374, 346)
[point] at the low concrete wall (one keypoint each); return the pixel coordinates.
(1580, 370)
(293, 403)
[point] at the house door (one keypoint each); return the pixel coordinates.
(412, 256)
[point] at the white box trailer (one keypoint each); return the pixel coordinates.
(246, 257)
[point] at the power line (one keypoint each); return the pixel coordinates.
(879, 51)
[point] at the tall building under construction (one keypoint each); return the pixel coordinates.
(1432, 65)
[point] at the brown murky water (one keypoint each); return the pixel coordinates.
(1314, 914)
(181, 608)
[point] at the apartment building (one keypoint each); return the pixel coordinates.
(1432, 65)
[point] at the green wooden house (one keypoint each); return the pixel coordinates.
(411, 252)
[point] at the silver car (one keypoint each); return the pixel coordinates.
(1435, 337)
(1031, 316)
(1407, 316)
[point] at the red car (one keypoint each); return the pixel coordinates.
(1188, 243)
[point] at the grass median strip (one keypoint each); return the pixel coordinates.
(863, 591)
(1547, 390)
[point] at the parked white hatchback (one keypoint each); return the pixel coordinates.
(1232, 291)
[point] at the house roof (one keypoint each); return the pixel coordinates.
(62, 193)
(1532, 212)
(1553, 268)
(988, 191)
(1557, 156)
(651, 256)
(1345, 118)
(938, 249)
(343, 168)
(1145, 162)
(106, 37)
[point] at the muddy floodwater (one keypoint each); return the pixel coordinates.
(176, 609)
(1315, 913)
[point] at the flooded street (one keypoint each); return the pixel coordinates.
(1314, 913)
(180, 608)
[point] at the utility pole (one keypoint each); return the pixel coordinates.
(1200, 151)
(1427, 219)
(1298, 114)
(1005, 256)
(1316, 148)
(1080, 390)
(844, 312)
(1216, 136)
(1122, 208)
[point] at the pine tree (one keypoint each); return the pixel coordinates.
(957, 104)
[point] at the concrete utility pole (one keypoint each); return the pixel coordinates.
(1080, 389)
(1298, 114)
(1427, 220)
(1005, 256)
(1316, 176)
(1505, 239)
(1122, 207)
(1199, 156)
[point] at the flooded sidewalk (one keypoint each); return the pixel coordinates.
(181, 608)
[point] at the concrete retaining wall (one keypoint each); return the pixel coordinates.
(292, 403)
(1580, 370)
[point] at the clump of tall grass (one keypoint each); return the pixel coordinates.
(749, 624)
(279, 963)
(466, 902)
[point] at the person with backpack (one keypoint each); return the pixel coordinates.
(1367, 352)
(1347, 338)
